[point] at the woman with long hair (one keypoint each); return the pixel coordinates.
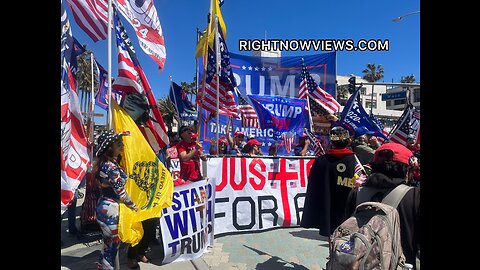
(112, 181)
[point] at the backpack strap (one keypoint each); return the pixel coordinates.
(396, 195)
(393, 197)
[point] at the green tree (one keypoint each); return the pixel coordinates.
(168, 111)
(408, 79)
(84, 78)
(373, 73)
(342, 94)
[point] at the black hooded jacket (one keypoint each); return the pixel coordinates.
(329, 183)
(408, 210)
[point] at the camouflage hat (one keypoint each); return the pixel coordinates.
(339, 134)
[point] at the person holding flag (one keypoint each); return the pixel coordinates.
(112, 181)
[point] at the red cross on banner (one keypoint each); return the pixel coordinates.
(283, 176)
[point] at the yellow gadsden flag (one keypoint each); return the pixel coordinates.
(149, 182)
(215, 8)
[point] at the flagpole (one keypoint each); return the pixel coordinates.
(205, 56)
(175, 99)
(308, 105)
(217, 69)
(109, 77)
(92, 107)
(196, 67)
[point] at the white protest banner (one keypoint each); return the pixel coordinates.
(187, 226)
(258, 193)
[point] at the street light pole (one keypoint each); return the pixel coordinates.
(397, 19)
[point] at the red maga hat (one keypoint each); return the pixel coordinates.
(400, 152)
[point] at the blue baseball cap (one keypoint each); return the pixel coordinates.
(362, 130)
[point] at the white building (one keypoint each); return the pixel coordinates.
(387, 111)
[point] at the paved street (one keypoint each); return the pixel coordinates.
(275, 249)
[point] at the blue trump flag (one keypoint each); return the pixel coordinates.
(185, 109)
(354, 115)
(280, 76)
(281, 114)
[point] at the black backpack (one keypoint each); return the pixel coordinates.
(137, 107)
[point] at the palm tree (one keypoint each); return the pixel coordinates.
(168, 111)
(408, 79)
(84, 78)
(342, 94)
(373, 73)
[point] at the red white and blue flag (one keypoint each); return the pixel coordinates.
(289, 139)
(131, 79)
(227, 83)
(247, 112)
(308, 87)
(408, 123)
(91, 16)
(315, 144)
(143, 17)
(74, 150)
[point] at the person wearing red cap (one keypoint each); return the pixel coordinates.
(253, 147)
(222, 145)
(190, 153)
(390, 166)
(302, 147)
(237, 143)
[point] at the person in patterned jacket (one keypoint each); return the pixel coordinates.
(112, 181)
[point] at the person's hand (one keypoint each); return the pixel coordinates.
(198, 145)
(307, 141)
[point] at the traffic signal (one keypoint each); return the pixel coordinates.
(351, 85)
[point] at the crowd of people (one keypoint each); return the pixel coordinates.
(328, 201)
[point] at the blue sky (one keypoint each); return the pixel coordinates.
(281, 19)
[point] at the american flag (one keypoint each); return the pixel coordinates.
(91, 16)
(143, 17)
(289, 138)
(208, 100)
(315, 143)
(247, 113)
(317, 94)
(380, 127)
(75, 158)
(132, 79)
(407, 124)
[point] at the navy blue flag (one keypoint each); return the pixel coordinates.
(280, 76)
(220, 2)
(354, 115)
(101, 98)
(281, 114)
(185, 109)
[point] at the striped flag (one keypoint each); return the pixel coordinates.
(247, 113)
(289, 138)
(408, 123)
(91, 16)
(315, 143)
(143, 17)
(227, 104)
(74, 148)
(131, 79)
(309, 87)
(381, 127)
